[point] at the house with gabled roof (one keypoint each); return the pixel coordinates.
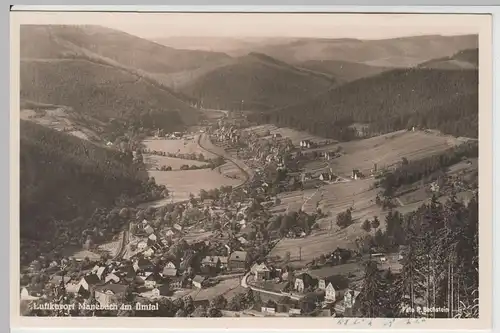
(149, 230)
(169, 272)
(303, 281)
(162, 290)
(31, 293)
(100, 271)
(86, 283)
(143, 264)
(170, 233)
(199, 281)
(237, 260)
(153, 238)
(110, 293)
(112, 278)
(261, 271)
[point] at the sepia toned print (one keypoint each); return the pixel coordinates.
(170, 171)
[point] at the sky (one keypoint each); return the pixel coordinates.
(360, 26)
(368, 26)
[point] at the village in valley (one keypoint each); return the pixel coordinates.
(258, 221)
(331, 173)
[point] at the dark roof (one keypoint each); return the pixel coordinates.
(238, 256)
(143, 262)
(154, 277)
(114, 287)
(92, 279)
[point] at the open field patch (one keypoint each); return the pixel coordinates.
(387, 150)
(470, 165)
(230, 170)
(182, 183)
(112, 247)
(156, 161)
(59, 119)
(292, 134)
(292, 201)
(357, 194)
(180, 146)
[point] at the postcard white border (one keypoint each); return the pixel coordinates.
(485, 175)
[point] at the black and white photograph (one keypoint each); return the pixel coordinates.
(250, 166)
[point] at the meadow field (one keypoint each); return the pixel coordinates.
(385, 150)
(181, 146)
(182, 183)
(156, 161)
(294, 135)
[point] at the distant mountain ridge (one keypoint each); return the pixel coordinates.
(58, 41)
(395, 52)
(256, 82)
(342, 71)
(464, 59)
(81, 67)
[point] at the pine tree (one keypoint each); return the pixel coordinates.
(370, 299)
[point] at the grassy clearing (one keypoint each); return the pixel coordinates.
(60, 119)
(292, 201)
(183, 146)
(155, 161)
(231, 171)
(182, 183)
(333, 199)
(111, 247)
(294, 135)
(386, 150)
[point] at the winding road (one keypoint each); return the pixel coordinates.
(204, 142)
(244, 284)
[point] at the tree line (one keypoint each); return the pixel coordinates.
(439, 244)
(409, 172)
(63, 178)
(446, 100)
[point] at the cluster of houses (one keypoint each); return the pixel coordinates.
(331, 284)
(227, 134)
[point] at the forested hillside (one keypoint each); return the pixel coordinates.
(64, 178)
(256, 82)
(446, 100)
(104, 92)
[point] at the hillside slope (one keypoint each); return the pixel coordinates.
(91, 70)
(256, 82)
(397, 52)
(59, 41)
(398, 99)
(103, 92)
(64, 177)
(465, 59)
(342, 71)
